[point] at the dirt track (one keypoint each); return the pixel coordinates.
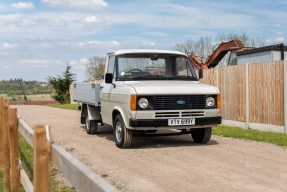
(168, 163)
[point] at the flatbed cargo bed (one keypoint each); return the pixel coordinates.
(88, 93)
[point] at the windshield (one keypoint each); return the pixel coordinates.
(154, 67)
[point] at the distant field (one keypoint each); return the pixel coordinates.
(41, 99)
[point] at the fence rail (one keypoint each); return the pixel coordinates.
(252, 95)
(79, 175)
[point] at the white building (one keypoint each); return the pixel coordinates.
(263, 54)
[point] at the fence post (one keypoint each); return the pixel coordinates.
(6, 148)
(217, 77)
(247, 95)
(1, 132)
(14, 152)
(285, 96)
(42, 159)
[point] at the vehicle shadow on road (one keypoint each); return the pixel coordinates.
(144, 141)
(167, 141)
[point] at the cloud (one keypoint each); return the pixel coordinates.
(93, 20)
(157, 34)
(98, 44)
(82, 63)
(279, 39)
(9, 45)
(45, 45)
(149, 43)
(77, 3)
(39, 63)
(21, 21)
(22, 5)
(51, 22)
(16, 19)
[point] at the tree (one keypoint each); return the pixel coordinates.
(96, 68)
(202, 47)
(259, 41)
(61, 85)
(205, 45)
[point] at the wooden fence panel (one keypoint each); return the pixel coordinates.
(232, 88)
(209, 77)
(266, 93)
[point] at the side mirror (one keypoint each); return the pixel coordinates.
(109, 78)
(200, 74)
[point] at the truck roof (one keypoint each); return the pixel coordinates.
(131, 51)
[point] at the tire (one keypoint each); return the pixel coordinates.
(201, 135)
(123, 136)
(91, 126)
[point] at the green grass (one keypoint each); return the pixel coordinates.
(1, 181)
(248, 134)
(26, 156)
(65, 106)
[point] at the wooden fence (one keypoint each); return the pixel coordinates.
(252, 95)
(79, 175)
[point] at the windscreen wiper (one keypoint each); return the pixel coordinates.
(184, 77)
(148, 77)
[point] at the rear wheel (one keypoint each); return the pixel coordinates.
(123, 136)
(201, 135)
(91, 126)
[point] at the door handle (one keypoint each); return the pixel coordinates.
(101, 87)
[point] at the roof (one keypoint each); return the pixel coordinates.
(133, 51)
(261, 49)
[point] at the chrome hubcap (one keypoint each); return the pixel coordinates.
(119, 131)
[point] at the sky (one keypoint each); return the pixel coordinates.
(39, 38)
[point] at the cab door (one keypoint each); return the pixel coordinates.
(107, 90)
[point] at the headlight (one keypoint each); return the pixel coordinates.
(210, 102)
(143, 103)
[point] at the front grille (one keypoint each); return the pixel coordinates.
(179, 114)
(173, 102)
(192, 114)
(167, 114)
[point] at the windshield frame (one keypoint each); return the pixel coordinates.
(189, 66)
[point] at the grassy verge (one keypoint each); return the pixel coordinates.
(1, 181)
(234, 132)
(26, 156)
(65, 106)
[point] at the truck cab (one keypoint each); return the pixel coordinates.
(149, 90)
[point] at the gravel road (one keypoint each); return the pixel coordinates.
(172, 163)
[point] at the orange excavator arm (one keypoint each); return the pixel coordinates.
(196, 62)
(217, 55)
(222, 49)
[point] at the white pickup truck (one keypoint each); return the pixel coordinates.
(145, 91)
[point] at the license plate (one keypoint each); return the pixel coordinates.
(174, 122)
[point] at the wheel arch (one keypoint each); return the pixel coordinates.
(116, 112)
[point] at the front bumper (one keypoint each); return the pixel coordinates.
(164, 122)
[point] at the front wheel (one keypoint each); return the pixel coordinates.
(91, 126)
(123, 136)
(201, 135)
